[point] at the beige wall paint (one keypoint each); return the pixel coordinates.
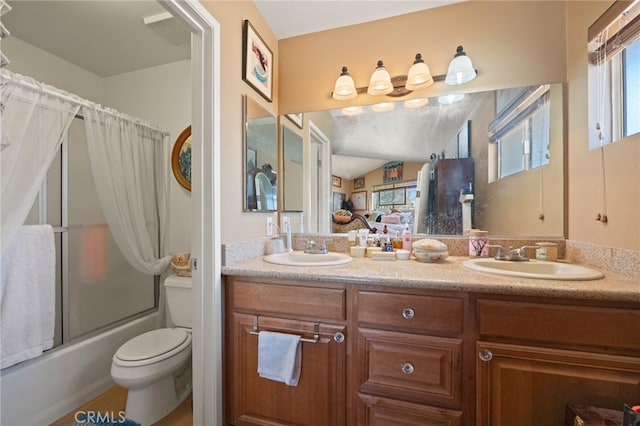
(237, 225)
(511, 44)
(622, 158)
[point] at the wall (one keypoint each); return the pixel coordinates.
(493, 33)
(621, 159)
(237, 225)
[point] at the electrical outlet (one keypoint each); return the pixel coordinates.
(269, 226)
(286, 223)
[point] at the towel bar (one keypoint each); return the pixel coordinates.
(316, 331)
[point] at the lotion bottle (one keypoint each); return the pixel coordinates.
(406, 238)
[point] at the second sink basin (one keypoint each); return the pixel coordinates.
(300, 258)
(534, 269)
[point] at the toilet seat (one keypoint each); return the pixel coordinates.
(152, 346)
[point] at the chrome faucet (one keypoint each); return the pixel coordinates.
(314, 247)
(514, 255)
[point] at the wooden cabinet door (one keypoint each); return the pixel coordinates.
(390, 412)
(531, 386)
(317, 400)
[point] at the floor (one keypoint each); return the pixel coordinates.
(114, 401)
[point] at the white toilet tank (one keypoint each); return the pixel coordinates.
(179, 300)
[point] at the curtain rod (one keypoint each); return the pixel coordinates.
(74, 99)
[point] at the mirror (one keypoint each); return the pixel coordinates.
(455, 176)
(292, 172)
(260, 160)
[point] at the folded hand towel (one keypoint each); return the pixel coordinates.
(279, 357)
(27, 295)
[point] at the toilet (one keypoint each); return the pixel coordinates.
(155, 366)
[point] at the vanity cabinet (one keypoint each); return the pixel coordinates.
(535, 358)
(409, 358)
(320, 396)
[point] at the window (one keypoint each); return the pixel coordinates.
(521, 129)
(631, 71)
(614, 74)
(399, 196)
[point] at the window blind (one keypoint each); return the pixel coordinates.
(614, 30)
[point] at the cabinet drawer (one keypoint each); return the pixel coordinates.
(410, 311)
(299, 301)
(560, 324)
(390, 412)
(409, 366)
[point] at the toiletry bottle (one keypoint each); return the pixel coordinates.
(406, 238)
(387, 245)
(397, 241)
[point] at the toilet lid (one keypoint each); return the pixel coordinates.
(152, 344)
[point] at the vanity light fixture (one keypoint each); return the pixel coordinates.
(450, 99)
(461, 69)
(382, 107)
(416, 103)
(419, 77)
(352, 110)
(345, 87)
(380, 82)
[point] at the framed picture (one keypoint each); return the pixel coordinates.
(257, 62)
(337, 181)
(392, 172)
(358, 183)
(251, 159)
(338, 199)
(296, 119)
(181, 159)
(359, 200)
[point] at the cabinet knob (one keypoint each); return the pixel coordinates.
(408, 313)
(338, 337)
(407, 368)
(485, 355)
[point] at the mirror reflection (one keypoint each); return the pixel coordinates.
(260, 157)
(488, 160)
(292, 170)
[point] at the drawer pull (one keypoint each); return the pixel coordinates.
(407, 368)
(485, 355)
(338, 337)
(408, 313)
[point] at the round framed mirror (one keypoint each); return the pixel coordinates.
(181, 159)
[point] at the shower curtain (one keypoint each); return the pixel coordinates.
(33, 119)
(129, 161)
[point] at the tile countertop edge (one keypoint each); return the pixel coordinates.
(446, 276)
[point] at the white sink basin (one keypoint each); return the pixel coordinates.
(300, 258)
(533, 269)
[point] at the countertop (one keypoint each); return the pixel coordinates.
(448, 275)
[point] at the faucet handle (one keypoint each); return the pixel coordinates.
(499, 254)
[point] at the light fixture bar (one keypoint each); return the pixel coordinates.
(398, 83)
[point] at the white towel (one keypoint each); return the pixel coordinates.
(279, 357)
(27, 295)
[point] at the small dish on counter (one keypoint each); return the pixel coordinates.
(429, 250)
